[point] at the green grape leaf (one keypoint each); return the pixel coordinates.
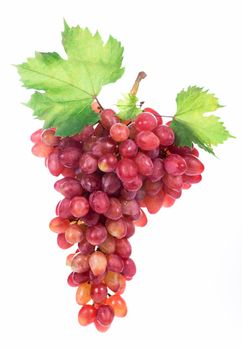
(128, 107)
(192, 124)
(67, 87)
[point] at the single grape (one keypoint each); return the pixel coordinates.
(53, 163)
(108, 118)
(96, 235)
(130, 227)
(62, 242)
(128, 149)
(142, 220)
(83, 293)
(85, 248)
(145, 121)
(99, 202)
(87, 315)
(63, 208)
(116, 228)
(129, 269)
(115, 263)
(48, 137)
(110, 183)
(144, 164)
(105, 315)
(91, 182)
(74, 234)
(173, 182)
(119, 132)
(165, 134)
(68, 187)
(79, 206)
(87, 164)
(115, 281)
(114, 211)
(107, 163)
(59, 225)
(175, 165)
(109, 245)
(158, 170)
(147, 140)
(36, 136)
(41, 150)
(80, 263)
(194, 166)
(156, 114)
(126, 169)
(118, 305)
(98, 263)
(99, 293)
(123, 248)
(69, 156)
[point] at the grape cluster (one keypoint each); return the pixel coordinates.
(110, 172)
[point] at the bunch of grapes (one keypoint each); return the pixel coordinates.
(112, 173)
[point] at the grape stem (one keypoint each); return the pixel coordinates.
(99, 104)
(135, 87)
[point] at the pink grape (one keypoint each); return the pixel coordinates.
(119, 132)
(165, 135)
(48, 137)
(80, 263)
(123, 248)
(145, 121)
(175, 165)
(98, 263)
(107, 162)
(105, 315)
(108, 118)
(144, 164)
(99, 293)
(115, 263)
(194, 166)
(96, 235)
(116, 228)
(68, 187)
(129, 269)
(79, 206)
(128, 149)
(99, 202)
(147, 140)
(114, 211)
(87, 164)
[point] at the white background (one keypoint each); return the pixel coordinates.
(187, 293)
